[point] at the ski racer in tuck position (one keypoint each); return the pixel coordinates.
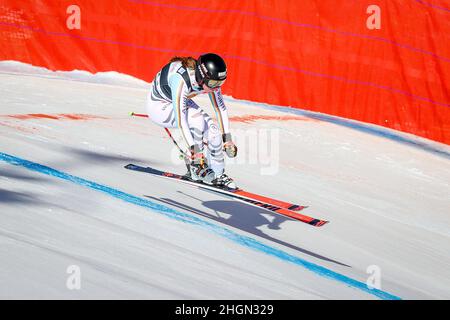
(170, 105)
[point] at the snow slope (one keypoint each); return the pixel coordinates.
(65, 200)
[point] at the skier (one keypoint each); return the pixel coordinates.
(170, 105)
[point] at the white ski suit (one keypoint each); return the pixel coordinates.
(169, 105)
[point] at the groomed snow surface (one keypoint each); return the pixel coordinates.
(67, 203)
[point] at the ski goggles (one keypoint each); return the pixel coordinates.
(213, 83)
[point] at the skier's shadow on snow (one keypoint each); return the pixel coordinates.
(103, 157)
(23, 177)
(244, 217)
(7, 196)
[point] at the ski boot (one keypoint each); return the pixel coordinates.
(201, 173)
(224, 182)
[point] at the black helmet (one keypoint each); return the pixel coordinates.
(211, 70)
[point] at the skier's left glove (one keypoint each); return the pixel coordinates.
(229, 146)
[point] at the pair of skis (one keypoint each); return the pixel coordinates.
(277, 206)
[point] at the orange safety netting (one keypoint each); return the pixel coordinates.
(388, 65)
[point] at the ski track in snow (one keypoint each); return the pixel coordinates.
(385, 194)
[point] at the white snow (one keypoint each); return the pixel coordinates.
(387, 202)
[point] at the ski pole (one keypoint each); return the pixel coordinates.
(138, 115)
(133, 114)
(183, 154)
(175, 142)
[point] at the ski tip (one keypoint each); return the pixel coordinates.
(131, 113)
(318, 223)
(297, 207)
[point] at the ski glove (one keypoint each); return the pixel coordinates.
(229, 146)
(230, 149)
(197, 156)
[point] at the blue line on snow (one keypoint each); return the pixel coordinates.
(187, 218)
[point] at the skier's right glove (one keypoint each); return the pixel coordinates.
(197, 156)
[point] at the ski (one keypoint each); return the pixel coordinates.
(277, 206)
